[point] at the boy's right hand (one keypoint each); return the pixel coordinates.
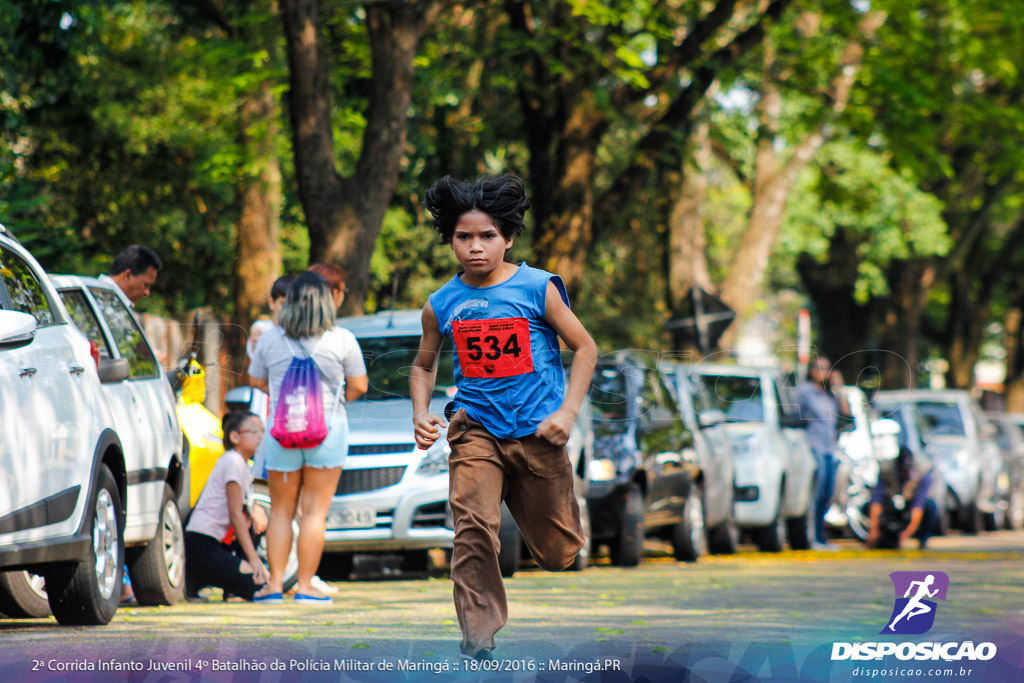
(427, 431)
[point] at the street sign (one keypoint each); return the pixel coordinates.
(704, 320)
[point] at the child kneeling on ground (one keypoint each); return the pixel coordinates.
(221, 513)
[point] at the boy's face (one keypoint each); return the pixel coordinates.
(478, 243)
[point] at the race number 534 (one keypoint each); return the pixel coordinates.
(493, 348)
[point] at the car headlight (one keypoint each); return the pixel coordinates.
(601, 469)
(748, 446)
(435, 459)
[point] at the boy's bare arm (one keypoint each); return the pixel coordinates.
(564, 322)
(421, 381)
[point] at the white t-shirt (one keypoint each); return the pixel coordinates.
(336, 353)
(211, 515)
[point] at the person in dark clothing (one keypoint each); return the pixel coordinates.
(900, 505)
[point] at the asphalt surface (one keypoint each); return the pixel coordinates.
(751, 609)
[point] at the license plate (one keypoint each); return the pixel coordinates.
(352, 518)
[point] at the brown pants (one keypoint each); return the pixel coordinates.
(535, 479)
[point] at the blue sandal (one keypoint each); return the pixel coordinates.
(269, 599)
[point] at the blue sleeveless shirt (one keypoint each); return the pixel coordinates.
(508, 369)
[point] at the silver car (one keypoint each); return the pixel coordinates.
(392, 495)
(963, 444)
(1011, 443)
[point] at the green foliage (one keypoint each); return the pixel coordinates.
(856, 190)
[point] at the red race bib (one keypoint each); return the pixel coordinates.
(493, 348)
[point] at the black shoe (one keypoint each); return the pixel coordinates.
(192, 594)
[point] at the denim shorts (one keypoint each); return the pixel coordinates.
(331, 453)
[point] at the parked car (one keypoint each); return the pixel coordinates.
(1011, 444)
(773, 464)
(392, 496)
(646, 474)
(714, 452)
(63, 476)
(963, 442)
(143, 407)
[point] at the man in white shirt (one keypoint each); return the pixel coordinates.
(134, 271)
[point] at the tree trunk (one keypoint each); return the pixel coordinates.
(259, 254)
(564, 237)
(258, 230)
(774, 179)
(967, 318)
(1013, 385)
(345, 215)
(902, 327)
(843, 327)
(687, 245)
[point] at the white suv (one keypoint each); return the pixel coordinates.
(143, 407)
(63, 480)
(773, 464)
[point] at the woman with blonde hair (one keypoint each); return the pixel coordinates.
(306, 478)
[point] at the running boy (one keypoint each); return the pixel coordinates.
(514, 413)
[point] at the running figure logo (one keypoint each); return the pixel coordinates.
(914, 613)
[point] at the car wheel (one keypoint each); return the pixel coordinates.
(23, 595)
(724, 539)
(688, 535)
(582, 560)
(769, 538)
(158, 572)
(510, 541)
(947, 505)
(88, 596)
(970, 518)
(800, 530)
(1015, 511)
(261, 497)
(992, 521)
(628, 546)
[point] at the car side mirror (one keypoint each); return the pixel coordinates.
(710, 418)
(114, 370)
(17, 329)
(239, 399)
(792, 421)
(989, 431)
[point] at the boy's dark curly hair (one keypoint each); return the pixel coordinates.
(503, 199)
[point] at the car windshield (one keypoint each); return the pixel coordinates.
(738, 397)
(389, 362)
(941, 418)
(609, 400)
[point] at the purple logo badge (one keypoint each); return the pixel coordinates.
(914, 611)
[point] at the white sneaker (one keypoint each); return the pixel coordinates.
(323, 586)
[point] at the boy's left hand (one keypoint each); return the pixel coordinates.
(556, 428)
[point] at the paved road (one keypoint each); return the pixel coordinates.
(758, 610)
